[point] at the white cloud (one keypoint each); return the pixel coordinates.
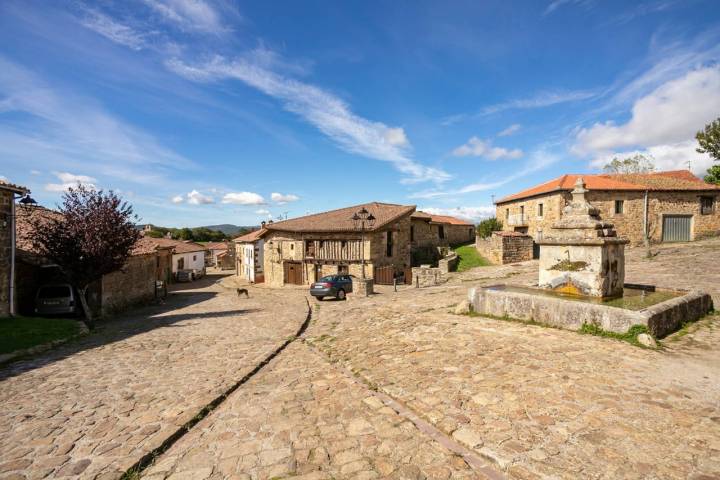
(539, 160)
(477, 147)
(69, 180)
(262, 211)
(189, 14)
(63, 130)
(675, 156)
(177, 199)
(197, 198)
(396, 137)
(327, 112)
(281, 199)
(663, 124)
(555, 4)
(112, 30)
(540, 100)
(473, 214)
(243, 198)
(671, 113)
(35, 172)
(512, 129)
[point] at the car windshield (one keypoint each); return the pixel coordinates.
(329, 278)
(54, 291)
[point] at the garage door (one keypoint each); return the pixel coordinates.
(676, 228)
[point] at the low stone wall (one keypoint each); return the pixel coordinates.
(426, 276)
(363, 287)
(505, 247)
(449, 263)
(661, 319)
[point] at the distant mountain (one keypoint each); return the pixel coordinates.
(229, 229)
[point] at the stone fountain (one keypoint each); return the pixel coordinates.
(581, 281)
(582, 255)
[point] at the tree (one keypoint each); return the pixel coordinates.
(713, 175)
(636, 164)
(487, 226)
(92, 235)
(709, 139)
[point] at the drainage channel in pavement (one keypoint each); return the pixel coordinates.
(474, 460)
(147, 460)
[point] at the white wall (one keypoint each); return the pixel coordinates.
(197, 264)
(248, 263)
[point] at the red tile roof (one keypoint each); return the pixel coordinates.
(216, 246)
(178, 246)
(340, 220)
(5, 185)
(23, 229)
(420, 215)
(677, 180)
(251, 237)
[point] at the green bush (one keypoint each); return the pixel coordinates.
(487, 226)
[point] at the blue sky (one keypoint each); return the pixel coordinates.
(201, 112)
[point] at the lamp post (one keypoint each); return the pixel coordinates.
(360, 220)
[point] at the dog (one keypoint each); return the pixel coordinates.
(243, 291)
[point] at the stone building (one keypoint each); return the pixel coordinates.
(669, 206)
(431, 233)
(301, 250)
(117, 291)
(8, 194)
(186, 255)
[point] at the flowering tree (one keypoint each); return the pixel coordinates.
(93, 235)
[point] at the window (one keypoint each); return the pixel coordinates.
(292, 246)
(707, 205)
(507, 213)
(619, 207)
(343, 243)
(441, 231)
(412, 233)
(540, 210)
(389, 245)
(194, 257)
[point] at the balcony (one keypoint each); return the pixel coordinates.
(517, 220)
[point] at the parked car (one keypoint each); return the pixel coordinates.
(56, 299)
(332, 286)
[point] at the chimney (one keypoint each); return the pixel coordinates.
(262, 224)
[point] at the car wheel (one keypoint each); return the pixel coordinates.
(341, 294)
(319, 299)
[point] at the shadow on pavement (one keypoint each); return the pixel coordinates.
(133, 322)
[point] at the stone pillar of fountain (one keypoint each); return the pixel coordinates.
(581, 254)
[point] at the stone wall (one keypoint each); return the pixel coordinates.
(531, 222)
(426, 235)
(460, 234)
(628, 224)
(6, 199)
(134, 285)
(505, 247)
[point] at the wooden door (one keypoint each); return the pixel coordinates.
(384, 275)
(293, 273)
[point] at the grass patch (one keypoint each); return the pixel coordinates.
(587, 329)
(468, 257)
(630, 336)
(19, 333)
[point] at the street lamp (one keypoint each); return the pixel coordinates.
(360, 220)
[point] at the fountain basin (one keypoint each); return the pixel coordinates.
(662, 311)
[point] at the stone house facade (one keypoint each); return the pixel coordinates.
(302, 250)
(113, 293)
(249, 256)
(670, 206)
(186, 255)
(8, 192)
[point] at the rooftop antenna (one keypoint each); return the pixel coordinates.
(493, 198)
(689, 164)
(285, 215)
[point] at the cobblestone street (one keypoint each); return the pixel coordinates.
(95, 407)
(494, 398)
(543, 402)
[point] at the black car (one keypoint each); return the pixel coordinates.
(332, 286)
